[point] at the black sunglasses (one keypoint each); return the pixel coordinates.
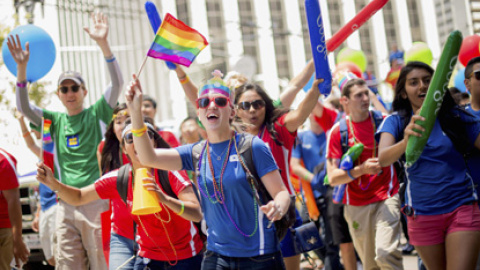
(476, 73)
(219, 101)
(256, 104)
(64, 89)
(129, 136)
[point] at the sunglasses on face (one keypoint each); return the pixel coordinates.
(256, 104)
(129, 136)
(476, 73)
(219, 101)
(64, 89)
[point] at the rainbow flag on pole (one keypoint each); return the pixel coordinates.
(177, 42)
(47, 138)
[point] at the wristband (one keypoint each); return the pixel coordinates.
(22, 84)
(184, 80)
(139, 132)
(182, 209)
(306, 177)
(110, 60)
(350, 175)
(26, 133)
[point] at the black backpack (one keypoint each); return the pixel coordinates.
(122, 187)
(244, 145)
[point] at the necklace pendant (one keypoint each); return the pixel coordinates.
(219, 158)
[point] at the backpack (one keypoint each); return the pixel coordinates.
(244, 146)
(122, 187)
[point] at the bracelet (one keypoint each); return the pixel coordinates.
(26, 133)
(306, 177)
(184, 80)
(139, 132)
(181, 210)
(22, 84)
(110, 60)
(350, 175)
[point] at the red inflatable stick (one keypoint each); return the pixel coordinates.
(355, 23)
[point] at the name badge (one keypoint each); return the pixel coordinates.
(233, 158)
(73, 141)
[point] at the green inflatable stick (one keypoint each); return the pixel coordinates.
(434, 98)
(346, 163)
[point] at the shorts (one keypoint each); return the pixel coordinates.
(338, 224)
(427, 230)
(286, 245)
(48, 237)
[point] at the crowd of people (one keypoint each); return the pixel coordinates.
(212, 216)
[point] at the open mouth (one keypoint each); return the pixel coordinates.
(212, 117)
(422, 95)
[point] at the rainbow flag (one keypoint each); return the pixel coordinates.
(47, 138)
(177, 42)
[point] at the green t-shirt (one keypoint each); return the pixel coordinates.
(76, 139)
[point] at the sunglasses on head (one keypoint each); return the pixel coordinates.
(219, 101)
(64, 89)
(476, 73)
(256, 104)
(129, 136)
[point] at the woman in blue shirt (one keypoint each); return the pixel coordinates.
(443, 219)
(239, 235)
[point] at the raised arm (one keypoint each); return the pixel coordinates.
(296, 84)
(297, 117)
(32, 112)
(165, 159)
(71, 195)
(20, 250)
(27, 136)
(389, 150)
(191, 90)
(99, 34)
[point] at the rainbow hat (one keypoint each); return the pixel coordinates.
(344, 78)
(216, 86)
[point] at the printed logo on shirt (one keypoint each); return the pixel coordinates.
(233, 158)
(73, 141)
(307, 146)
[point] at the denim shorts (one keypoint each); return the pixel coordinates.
(121, 251)
(213, 261)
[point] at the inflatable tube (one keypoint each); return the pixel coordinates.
(435, 94)
(355, 23)
(155, 22)
(317, 41)
(346, 163)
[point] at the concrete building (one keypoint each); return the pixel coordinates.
(265, 39)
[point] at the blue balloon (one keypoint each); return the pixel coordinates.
(319, 49)
(42, 51)
(458, 80)
(155, 22)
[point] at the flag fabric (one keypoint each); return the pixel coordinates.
(177, 42)
(47, 138)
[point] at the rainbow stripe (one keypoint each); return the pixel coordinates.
(177, 42)
(47, 138)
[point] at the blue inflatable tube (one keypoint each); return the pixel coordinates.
(319, 49)
(155, 22)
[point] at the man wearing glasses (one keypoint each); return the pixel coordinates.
(76, 135)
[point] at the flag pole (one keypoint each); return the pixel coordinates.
(141, 67)
(41, 135)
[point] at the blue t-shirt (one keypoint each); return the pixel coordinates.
(311, 149)
(438, 182)
(223, 235)
(474, 161)
(48, 198)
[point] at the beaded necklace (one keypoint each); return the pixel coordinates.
(358, 141)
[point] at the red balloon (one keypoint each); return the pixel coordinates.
(469, 49)
(348, 66)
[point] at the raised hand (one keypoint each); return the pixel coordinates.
(15, 47)
(99, 32)
(45, 176)
(413, 129)
(133, 96)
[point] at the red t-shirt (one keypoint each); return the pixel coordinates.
(155, 242)
(8, 165)
(170, 138)
(366, 189)
(121, 221)
(327, 120)
(281, 154)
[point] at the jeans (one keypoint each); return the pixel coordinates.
(193, 263)
(121, 250)
(213, 261)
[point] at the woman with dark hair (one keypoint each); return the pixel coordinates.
(167, 239)
(441, 209)
(277, 127)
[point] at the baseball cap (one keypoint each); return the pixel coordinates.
(71, 75)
